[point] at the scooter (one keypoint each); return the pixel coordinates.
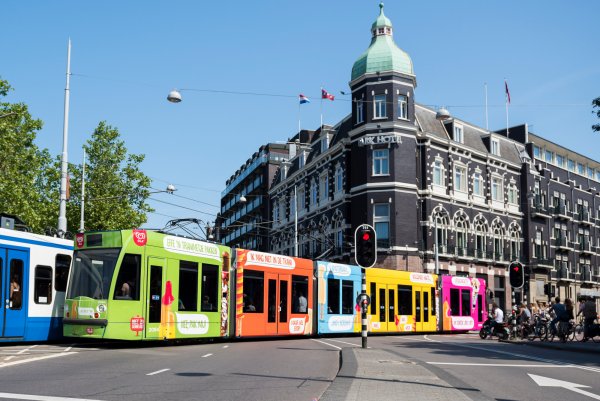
(488, 329)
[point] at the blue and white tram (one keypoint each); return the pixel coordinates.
(33, 278)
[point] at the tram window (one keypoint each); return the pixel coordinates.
(480, 309)
(466, 302)
(347, 297)
(61, 272)
(42, 292)
(382, 305)
(299, 294)
(454, 302)
(373, 299)
(210, 288)
(188, 286)
(272, 301)
(254, 290)
(16, 284)
(405, 306)
(155, 294)
(333, 296)
(432, 301)
(283, 305)
(128, 280)
(425, 307)
(392, 302)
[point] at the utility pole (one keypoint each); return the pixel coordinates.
(62, 213)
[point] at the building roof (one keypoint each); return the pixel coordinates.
(383, 54)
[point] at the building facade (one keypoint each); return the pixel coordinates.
(444, 195)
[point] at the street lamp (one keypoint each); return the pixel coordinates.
(174, 96)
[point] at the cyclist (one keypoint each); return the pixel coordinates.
(498, 317)
(589, 315)
(559, 312)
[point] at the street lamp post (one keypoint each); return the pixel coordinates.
(62, 214)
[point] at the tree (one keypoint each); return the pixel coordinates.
(27, 189)
(596, 104)
(116, 190)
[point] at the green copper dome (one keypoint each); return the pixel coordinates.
(382, 54)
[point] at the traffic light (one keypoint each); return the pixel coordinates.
(516, 274)
(365, 245)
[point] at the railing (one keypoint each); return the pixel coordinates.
(562, 242)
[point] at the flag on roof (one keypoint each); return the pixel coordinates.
(507, 92)
(326, 95)
(303, 99)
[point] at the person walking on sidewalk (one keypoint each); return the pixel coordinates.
(589, 315)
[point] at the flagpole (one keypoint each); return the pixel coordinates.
(299, 115)
(506, 103)
(62, 212)
(321, 107)
(486, 106)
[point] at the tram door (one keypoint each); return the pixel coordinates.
(13, 274)
(154, 288)
(278, 303)
(423, 309)
(386, 296)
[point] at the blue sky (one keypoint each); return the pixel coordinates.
(126, 57)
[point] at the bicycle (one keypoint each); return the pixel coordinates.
(578, 331)
(537, 328)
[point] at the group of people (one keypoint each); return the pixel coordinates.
(562, 313)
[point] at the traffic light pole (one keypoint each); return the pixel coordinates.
(363, 308)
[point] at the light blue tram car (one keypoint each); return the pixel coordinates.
(338, 285)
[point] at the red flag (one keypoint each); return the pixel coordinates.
(326, 95)
(507, 92)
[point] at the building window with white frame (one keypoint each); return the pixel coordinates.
(497, 190)
(313, 194)
(560, 160)
(339, 179)
(323, 188)
(381, 222)
(324, 143)
(360, 111)
(513, 194)
(438, 173)
(549, 156)
(380, 106)
(402, 107)
(571, 165)
(459, 134)
(580, 169)
(537, 151)
(460, 178)
(381, 162)
(495, 146)
(477, 184)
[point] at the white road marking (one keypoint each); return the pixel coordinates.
(26, 349)
(344, 342)
(13, 396)
(549, 382)
(226, 346)
(500, 364)
(157, 372)
(39, 358)
(69, 348)
(8, 358)
(323, 342)
(206, 356)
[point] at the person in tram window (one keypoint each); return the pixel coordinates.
(248, 304)
(15, 292)
(206, 305)
(302, 303)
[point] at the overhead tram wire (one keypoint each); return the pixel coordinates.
(183, 207)
(192, 199)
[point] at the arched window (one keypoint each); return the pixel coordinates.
(441, 223)
(515, 242)
(498, 233)
(461, 225)
(481, 232)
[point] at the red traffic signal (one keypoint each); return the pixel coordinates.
(516, 275)
(365, 246)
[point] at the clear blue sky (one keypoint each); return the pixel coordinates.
(127, 55)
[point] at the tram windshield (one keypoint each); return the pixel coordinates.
(92, 273)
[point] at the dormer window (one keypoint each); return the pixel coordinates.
(301, 158)
(495, 147)
(324, 143)
(402, 107)
(458, 134)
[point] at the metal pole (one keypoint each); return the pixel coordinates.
(435, 249)
(295, 223)
(82, 221)
(363, 308)
(62, 214)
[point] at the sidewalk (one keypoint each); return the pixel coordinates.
(374, 374)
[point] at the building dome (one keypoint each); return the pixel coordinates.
(382, 54)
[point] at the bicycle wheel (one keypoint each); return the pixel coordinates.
(596, 339)
(578, 332)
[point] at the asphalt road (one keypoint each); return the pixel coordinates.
(298, 369)
(295, 369)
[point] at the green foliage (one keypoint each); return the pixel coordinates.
(116, 190)
(26, 172)
(596, 105)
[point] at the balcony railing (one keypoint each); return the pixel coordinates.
(561, 212)
(584, 216)
(562, 243)
(586, 273)
(585, 246)
(539, 210)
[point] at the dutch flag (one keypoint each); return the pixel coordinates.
(303, 99)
